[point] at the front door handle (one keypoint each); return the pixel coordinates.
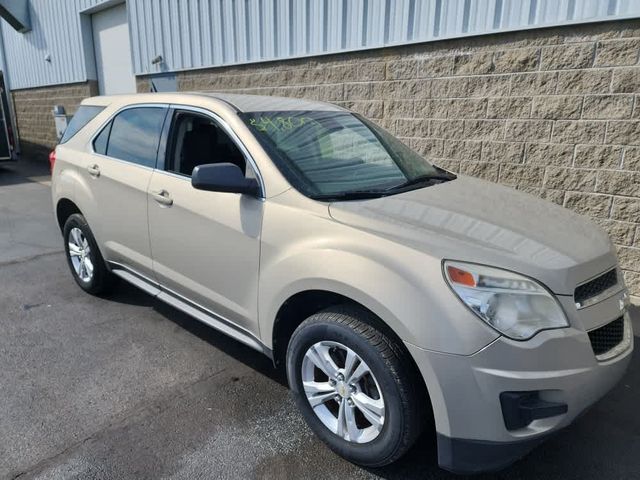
(94, 170)
(162, 197)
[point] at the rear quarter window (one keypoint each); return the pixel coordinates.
(83, 115)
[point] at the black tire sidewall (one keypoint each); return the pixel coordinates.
(99, 269)
(390, 438)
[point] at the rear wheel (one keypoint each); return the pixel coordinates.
(355, 386)
(84, 258)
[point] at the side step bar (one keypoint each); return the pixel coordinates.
(190, 308)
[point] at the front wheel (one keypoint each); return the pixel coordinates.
(355, 386)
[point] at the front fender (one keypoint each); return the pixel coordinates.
(315, 272)
(420, 310)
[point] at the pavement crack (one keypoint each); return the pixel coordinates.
(30, 258)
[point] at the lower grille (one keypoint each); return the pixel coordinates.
(607, 337)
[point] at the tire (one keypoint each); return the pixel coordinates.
(76, 233)
(393, 378)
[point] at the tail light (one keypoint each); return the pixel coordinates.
(52, 159)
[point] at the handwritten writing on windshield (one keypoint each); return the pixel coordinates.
(280, 123)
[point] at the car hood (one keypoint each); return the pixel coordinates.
(477, 221)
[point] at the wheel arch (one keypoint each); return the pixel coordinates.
(64, 209)
(303, 304)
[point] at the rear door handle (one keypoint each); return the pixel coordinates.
(94, 170)
(162, 197)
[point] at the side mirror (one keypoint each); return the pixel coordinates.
(223, 177)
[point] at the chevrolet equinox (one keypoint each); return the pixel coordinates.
(394, 293)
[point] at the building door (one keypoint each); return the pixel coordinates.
(113, 51)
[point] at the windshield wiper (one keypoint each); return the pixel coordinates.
(423, 179)
(354, 195)
(364, 194)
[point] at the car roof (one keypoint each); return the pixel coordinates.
(241, 102)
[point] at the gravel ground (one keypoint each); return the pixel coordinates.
(126, 387)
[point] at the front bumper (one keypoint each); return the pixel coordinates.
(465, 393)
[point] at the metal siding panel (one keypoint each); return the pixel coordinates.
(375, 25)
(397, 13)
(316, 28)
(336, 24)
(153, 28)
(195, 28)
(157, 27)
(185, 28)
(629, 7)
(217, 52)
(228, 29)
(253, 13)
(482, 20)
(171, 52)
(297, 28)
(451, 18)
(204, 25)
(239, 19)
(282, 28)
(426, 17)
(137, 42)
(586, 9)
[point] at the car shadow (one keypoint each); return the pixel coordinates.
(22, 171)
(128, 294)
(594, 447)
(9, 176)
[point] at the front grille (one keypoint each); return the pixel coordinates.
(607, 337)
(596, 286)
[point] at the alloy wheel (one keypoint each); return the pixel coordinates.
(343, 392)
(80, 254)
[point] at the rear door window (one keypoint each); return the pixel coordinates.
(134, 135)
(83, 115)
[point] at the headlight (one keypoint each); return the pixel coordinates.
(516, 306)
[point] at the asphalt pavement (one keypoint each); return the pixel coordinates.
(127, 387)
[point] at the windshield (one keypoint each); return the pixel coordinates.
(328, 154)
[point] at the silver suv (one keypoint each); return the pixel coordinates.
(395, 293)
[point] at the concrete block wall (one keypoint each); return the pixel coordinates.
(553, 112)
(34, 116)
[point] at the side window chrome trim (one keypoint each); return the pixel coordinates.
(110, 119)
(174, 175)
(232, 134)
